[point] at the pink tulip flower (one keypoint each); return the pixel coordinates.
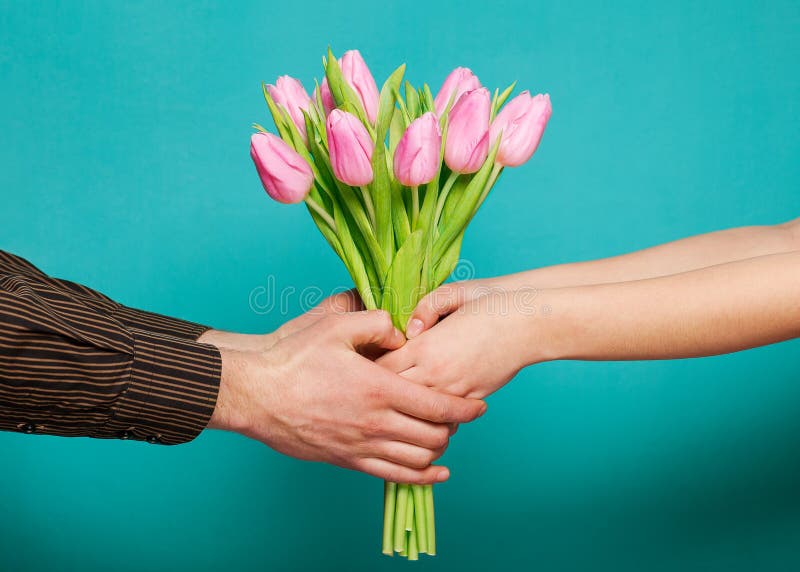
(286, 176)
(358, 76)
(328, 104)
(290, 94)
(418, 155)
(467, 142)
(460, 81)
(350, 148)
(522, 122)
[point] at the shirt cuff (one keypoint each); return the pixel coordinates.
(171, 394)
(158, 324)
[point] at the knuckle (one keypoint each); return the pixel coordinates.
(330, 322)
(436, 453)
(382, 316)
(371, 427)
(440, 410)
(442, 438)
(376, 393)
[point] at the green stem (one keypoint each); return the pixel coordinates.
(401, 505)
(410, 510)
(414, 207)
(413, 550)
(443, 197)
(321, 212)
(489, 184)
(420, 524)
(429, 516)
(368, 204)
(389, 497)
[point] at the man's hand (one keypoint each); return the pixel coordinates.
(313, 396)
(337, 304)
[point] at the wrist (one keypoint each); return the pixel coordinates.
(231, 410)
(545, 320)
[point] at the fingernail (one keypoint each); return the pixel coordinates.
(483, 409)
(442, 475)
(414, 328)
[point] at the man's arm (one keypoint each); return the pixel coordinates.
(69, 367)
(131, 317)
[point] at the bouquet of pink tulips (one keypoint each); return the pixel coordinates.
(391, 179)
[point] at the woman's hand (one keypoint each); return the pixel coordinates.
(476, 349)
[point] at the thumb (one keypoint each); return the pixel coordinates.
(371, 327)
(433, 306)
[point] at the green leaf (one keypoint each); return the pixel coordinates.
(448, 262)
(412, 101)
(428, 97)
(428, 210)
(504, 96)
(465, 209)
(381, 183)
(277, 116)
(493, 106)
(356, 210)
(402, 289)
(400, 223)
(323, 227)
(455, 196)
(353, 260)
(396, 130)
(386, 105)
(342, 92)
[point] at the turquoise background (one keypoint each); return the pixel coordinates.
(124, 165)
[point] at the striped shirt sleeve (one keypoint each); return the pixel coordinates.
(132, 317)
(75, 363)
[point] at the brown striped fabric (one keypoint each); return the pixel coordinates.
(73, 362)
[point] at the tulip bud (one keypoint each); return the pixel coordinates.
(286, 176)
(328, 104)
(467, 142)
(357, 75)
(418, 155)
(350, 148)
(522, 122)
(460, 81)
(290, 94)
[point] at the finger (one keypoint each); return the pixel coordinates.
(406, 454)
(401, 427)
(373, 327)
(434, 305)
(395, 473)
(342, 303)
(425, 403)
(399, 360)
(453, 428)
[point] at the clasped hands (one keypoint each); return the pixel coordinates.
(314, 389)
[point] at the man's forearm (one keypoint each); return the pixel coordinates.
(71, 364)
(665, 259)
(710, 311)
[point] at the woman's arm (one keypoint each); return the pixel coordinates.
(671, 258)
(714, 310)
